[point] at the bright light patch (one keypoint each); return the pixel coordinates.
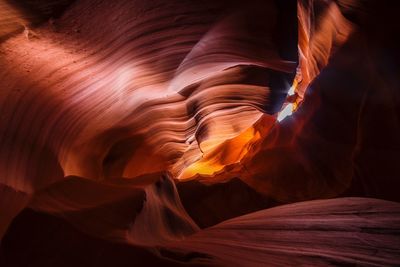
(291, 90)
(287, 111)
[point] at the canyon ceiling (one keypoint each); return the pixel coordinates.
(199, 133)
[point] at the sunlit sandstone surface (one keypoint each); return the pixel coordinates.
(199, 133)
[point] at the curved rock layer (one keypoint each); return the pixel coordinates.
(129, 88)
(336, 232)
(77, 95)
(110, 105)
(144, 211)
